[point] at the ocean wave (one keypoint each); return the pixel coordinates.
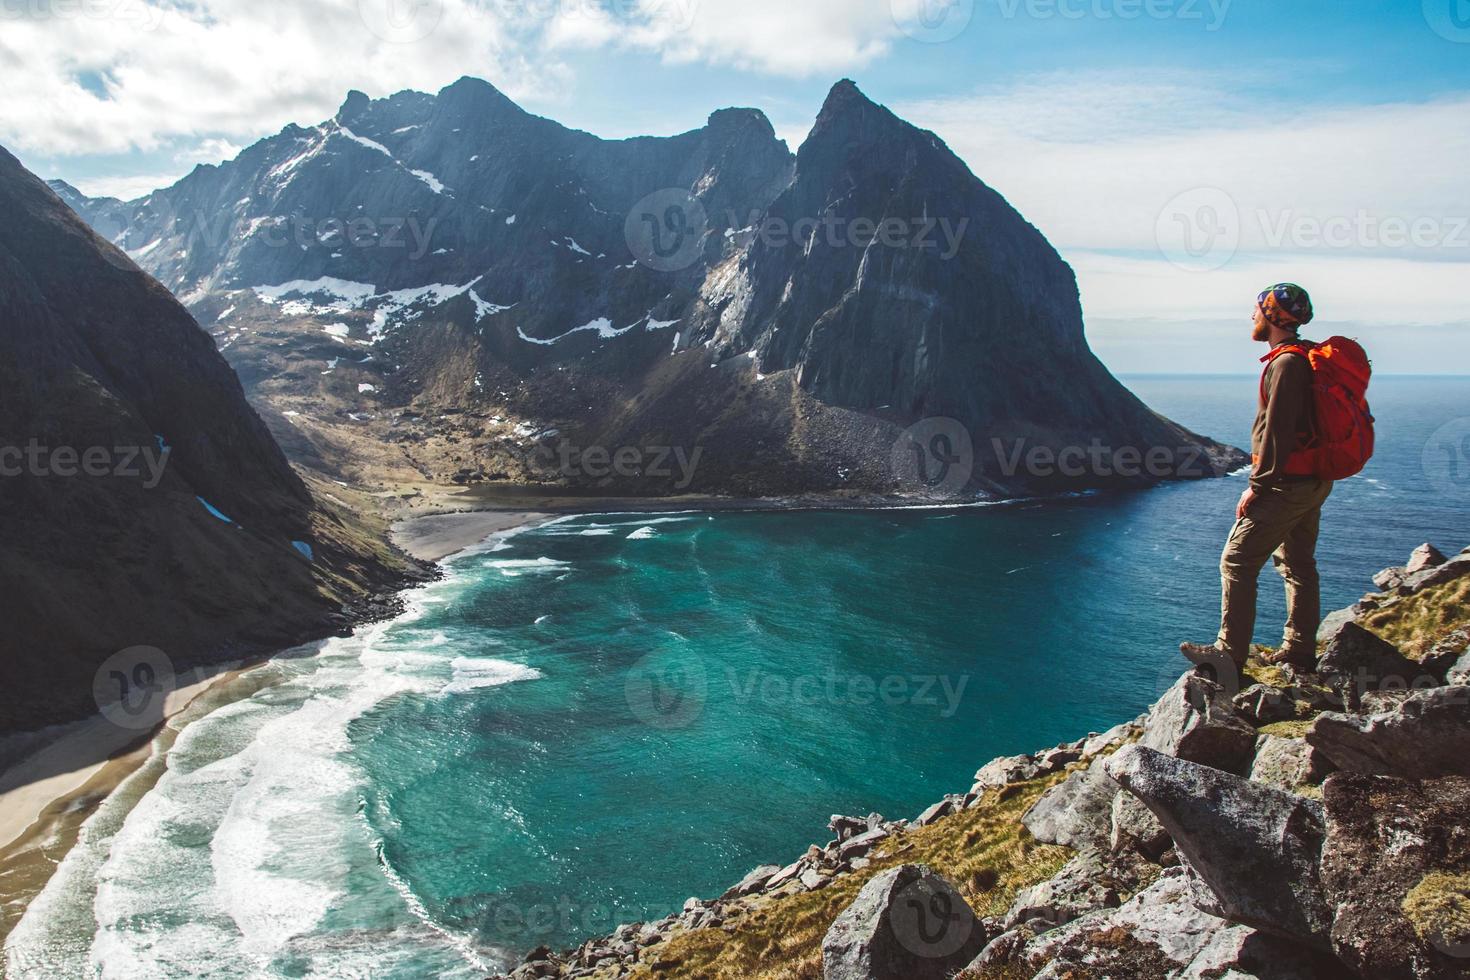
(473, 673)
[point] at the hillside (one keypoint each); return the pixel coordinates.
(143, 502)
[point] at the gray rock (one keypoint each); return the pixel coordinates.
(1005, 948)
(812, 879)
(786, 874)
(1237, 952)
(1263, 704)
(933, 813)
(753, 882)
(1195, 720)
(1254, 849)
(1163, 927)
(1080, 887)
(1438, 575)
(1058, 758)
(1076, 812)
(1111, 738)
(1006, 770)
(1424, 556)
(1135, 826)
(1357, 661)
(857, 846)
(1388, 841)
(1426, 736)
(845, 827)
(907, 923)
(1459, 674)
(1449, 658)
(1287, 763)
(1334, 621)
(1389, 578)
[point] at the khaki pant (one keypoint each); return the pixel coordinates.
(1281, 524)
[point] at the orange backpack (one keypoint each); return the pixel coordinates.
(1342, 427)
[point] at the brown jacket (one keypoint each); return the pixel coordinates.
(1283, 420)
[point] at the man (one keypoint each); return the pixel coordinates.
(1278, 515)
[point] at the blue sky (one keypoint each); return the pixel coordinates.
(1181, 154)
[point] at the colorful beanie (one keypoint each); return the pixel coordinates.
(1286, 305)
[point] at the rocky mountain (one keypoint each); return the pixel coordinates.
(143, 503)
(446, 287)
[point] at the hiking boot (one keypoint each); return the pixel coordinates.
(1300, 660)
(1214, 664)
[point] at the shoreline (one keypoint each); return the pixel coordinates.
(48, 791)
(41, 816)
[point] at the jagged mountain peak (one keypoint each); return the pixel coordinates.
(353, 106)
(741, 118)
(845, 99)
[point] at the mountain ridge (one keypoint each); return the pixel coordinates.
(704, 289)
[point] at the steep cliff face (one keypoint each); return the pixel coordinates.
(424, 286)
(142, 500)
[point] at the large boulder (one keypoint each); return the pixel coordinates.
(1076, 812)
(1159, 932)
(1195, 720)
(1253, 848)
(1005, 770)
(1425, 736)
(1287, 763)
(1394, 864)
(1356, 661)
(1424, 556)
(907, 923)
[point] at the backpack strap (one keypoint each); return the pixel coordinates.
(1276, 352)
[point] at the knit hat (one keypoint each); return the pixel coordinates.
(1286, 306)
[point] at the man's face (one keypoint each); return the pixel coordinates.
(1261, 330)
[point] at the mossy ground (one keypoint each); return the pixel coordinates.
(984, 851)
(1439, 909)
(1415, 623)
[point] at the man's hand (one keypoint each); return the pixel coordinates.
(1246, 499)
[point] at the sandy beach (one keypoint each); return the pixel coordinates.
(434, 537)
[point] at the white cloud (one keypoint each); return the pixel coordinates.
(126, 188)
(113, 76)
(121, 75)
(796, 38)
(1094, 159)
(1364, 205)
